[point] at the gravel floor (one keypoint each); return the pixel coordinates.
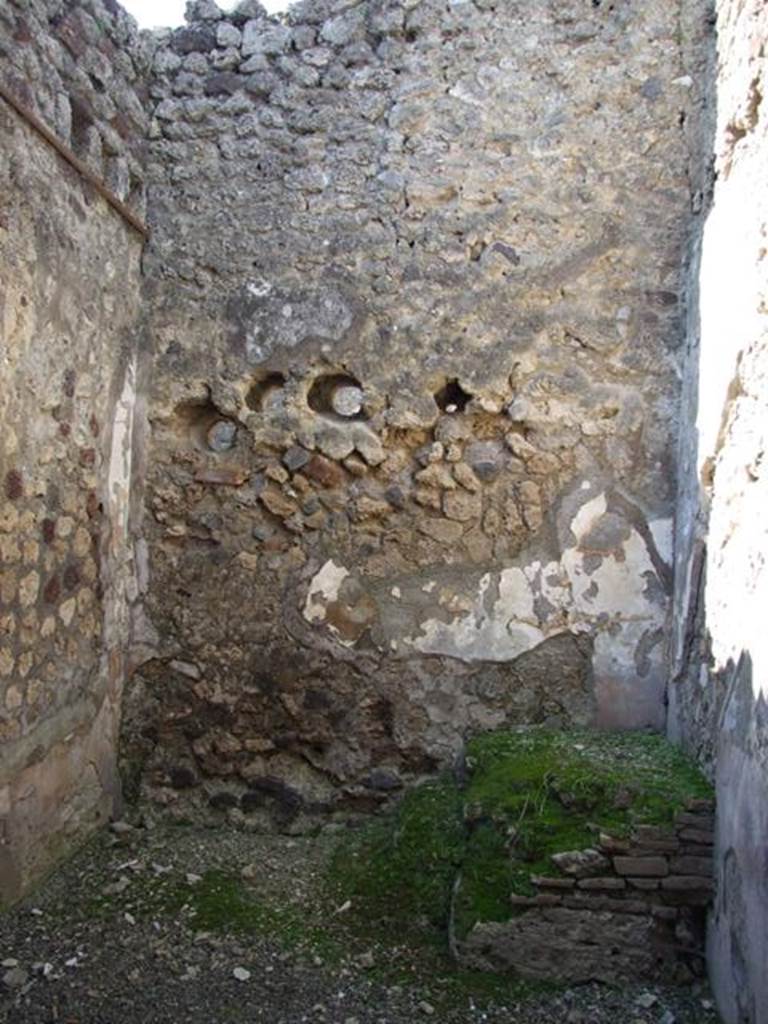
(97, 945)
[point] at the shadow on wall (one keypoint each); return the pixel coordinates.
(720, 650)
(738, 936)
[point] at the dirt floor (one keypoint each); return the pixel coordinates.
(175, 924)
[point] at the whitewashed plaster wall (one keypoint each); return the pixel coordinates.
(718, 699)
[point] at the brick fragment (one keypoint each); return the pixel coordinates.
(705, 837)
(547, 899)
(14, 485)
(684, 865)
(324, 472)
(227, 476)
(700, 804)
(612, 844)
(604, 884)
(687, 883)
(599, 903)
(522, 901)
(652, 833)
(700, 821)
(658, 846)
(642, 867)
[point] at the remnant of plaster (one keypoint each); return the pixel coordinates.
(323, 590)
(499, 616)
(121, 453)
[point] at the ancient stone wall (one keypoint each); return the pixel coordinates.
(414, 290)
(718, 697)
(79, 65)
(69, 304)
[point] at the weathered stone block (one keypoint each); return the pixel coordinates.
(581, 863)
(649, 834)
(606, 884)
(324, 472)
(225, 83)
(665, 913)
(687, 883)
(703, 821)
(612, 844)
(444, 531)
(703, 837)
(641, 867)
(278, 503)
(600, 902)
(685, 865)
(553, 883)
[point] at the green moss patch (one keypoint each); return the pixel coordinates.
(448, 855)
(398, 872)
(452, 850)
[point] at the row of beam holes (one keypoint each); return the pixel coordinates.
(336, 395)
(342, 397)
(339, 396)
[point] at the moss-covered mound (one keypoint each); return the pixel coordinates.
(526, 795)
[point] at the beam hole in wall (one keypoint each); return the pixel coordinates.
(338, 395)
(266, 393)
(452, 398)
(206, 427)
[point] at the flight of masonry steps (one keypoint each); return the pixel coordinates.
(632, 907)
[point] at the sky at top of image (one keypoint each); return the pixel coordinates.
(168, 13)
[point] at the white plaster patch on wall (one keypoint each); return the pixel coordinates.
(588, 515)
(121, 454)
(616, 588)
(540, 601)
(553, 584)
(511, 629)
(502, 615)
(604, 584)
(323, 590)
